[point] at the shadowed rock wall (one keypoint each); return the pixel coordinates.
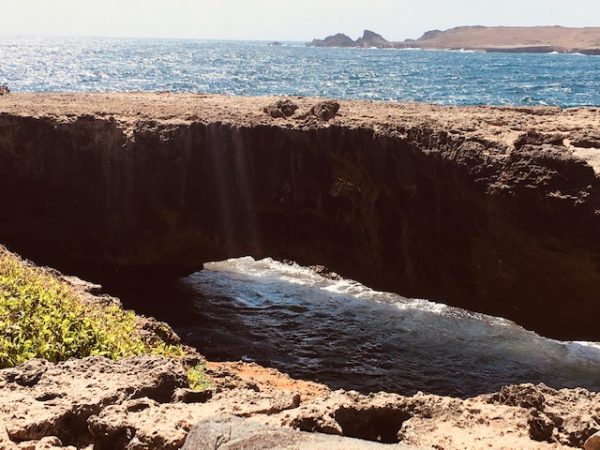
(511, 231)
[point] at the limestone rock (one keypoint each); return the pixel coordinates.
(42, 399)
(233, 434)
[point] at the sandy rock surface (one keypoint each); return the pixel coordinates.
(95, 403)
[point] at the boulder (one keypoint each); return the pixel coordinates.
(325, 110)
(281, 108)
(4, 89)
(233, 433)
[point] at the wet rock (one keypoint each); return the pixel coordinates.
(325, 110)
(4, 90)
(593, 443)
(281, 108)
(230, 434)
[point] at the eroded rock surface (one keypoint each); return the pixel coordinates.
(281, 108)
(134, 404)
(233, 434)
(496, 210)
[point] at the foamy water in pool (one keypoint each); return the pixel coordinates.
(346, 335)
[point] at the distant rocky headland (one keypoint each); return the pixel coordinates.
(487, 39)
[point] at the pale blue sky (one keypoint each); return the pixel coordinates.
(281, 19)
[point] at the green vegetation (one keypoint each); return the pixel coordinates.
(42, 316)
(197, 378)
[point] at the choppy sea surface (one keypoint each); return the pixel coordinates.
(342, 333)
(35, 64)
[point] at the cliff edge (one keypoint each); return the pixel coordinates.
(493, 209)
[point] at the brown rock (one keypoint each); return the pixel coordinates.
(593, 442)
(4, 90)
(235, 434)
(42, 399)
(464, 215)
(325, 110)
(281, 108)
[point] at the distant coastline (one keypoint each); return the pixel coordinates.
(486, 39)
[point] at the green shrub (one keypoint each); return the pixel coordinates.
(41, 316)
(197, 378)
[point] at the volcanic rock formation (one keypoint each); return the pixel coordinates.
(492, 209)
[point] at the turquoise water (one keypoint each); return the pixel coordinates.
(255, 68)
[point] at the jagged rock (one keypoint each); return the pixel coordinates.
(43, 399)
(234, 434)
(372, 39)
(136, 404)
(144, 423)
(532, 137)
(589, 140)
(524, 396)
(4, 90)
(281, 108)
(593, 442)
(192, 396)
(46, 443)
(325, 110)
(337, 40)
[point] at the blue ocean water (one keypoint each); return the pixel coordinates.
(254, 68)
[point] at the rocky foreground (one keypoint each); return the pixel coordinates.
(144, 403)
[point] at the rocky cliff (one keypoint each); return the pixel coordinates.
(367, 40)
(492, 209)
(488, 39)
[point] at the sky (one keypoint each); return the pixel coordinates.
(294, 20)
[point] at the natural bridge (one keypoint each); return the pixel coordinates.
(492, 209)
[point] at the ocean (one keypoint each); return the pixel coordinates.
(35, 64)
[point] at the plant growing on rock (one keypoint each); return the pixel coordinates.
(197, 378)
(41, 316)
